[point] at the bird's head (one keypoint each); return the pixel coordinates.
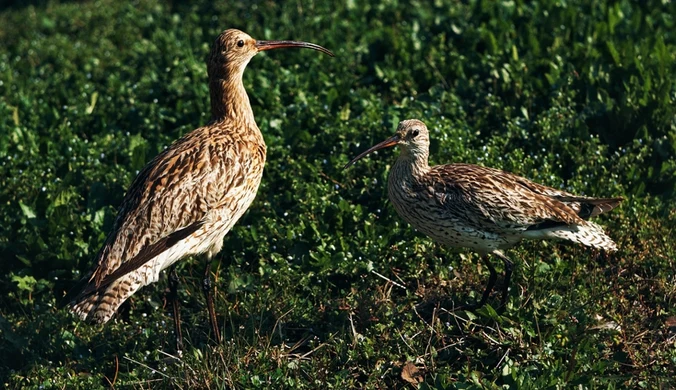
(413, 137)
(233, 49)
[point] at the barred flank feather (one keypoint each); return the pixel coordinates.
(589, 234)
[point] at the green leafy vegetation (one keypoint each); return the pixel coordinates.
(321, 284)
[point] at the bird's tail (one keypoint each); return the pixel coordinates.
(590, 207)
(99, 305)
(602, 205)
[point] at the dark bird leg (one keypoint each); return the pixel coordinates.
(173, 296)
(491, 281)
(508, 277)
(208, 293)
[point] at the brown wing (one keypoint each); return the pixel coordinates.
(499, 198)
(175, 191)
(584, 206)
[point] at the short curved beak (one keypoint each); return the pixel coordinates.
(385, 144)
(270, 45)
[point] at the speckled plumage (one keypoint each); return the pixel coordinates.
(188, 197)
(484, 209)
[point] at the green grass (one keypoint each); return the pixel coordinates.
(566, 93)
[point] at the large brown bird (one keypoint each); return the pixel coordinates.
(484, 209)
(188, 197)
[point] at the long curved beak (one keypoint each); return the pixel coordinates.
(393, 140)
(270, 45)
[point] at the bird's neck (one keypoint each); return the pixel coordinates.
(412, 165)
(229, 99)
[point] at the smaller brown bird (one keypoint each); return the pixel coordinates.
(484, 209)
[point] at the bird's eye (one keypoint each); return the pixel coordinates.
(240, 43)
(414, 134)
